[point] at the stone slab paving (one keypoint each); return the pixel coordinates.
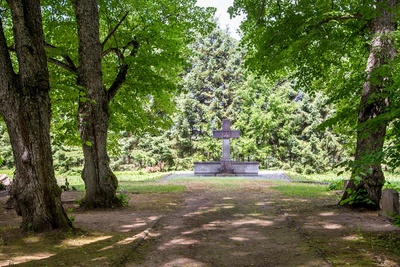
(262, 175)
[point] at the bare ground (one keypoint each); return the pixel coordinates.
(244, 224)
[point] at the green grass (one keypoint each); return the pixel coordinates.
(392, 181)
(139, 176)
(302, 190)
(151, 188)
(123, 177)
(336, 182)
(322, 178)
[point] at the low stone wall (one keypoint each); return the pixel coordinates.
(213, 168)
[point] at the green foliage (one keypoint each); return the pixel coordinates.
(72, 219)
(359, 196)
(6, 156)
(279, 126)
(396, 220)
(328, 47)
(67, 159)
(338, 185)
(392, 185)
(279, 121)
(148, 38)
(123, 200)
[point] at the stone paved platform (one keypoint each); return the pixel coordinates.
(262, 175)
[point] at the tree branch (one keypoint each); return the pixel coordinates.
(68, 63)
(65, 65)
(114, 30)
(115, 50)
(262, 11)
(341, 18)
(6, 71)
(122, 73)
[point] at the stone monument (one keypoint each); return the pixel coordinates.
(226, 167)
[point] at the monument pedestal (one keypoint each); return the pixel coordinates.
(214, 169)
(226, 167)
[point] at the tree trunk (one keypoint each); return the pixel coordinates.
(367, 175)
(25, 107)
(93, 116)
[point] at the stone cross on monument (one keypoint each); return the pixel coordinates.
(226, 134)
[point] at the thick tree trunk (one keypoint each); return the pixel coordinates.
(367, 175)
(100, 181)
(25, 107)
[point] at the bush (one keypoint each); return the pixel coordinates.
(337, 185)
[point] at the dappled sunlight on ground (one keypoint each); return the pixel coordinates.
(239, 239)
(327, 214)
(246, 225)
(225, 230)
(84, 240)
(23, 259)
(181, 242)
(183, 262)
(352, 238)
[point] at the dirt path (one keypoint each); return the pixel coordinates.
(245, 222)
(234, 227)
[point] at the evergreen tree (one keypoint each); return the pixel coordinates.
(210, 87)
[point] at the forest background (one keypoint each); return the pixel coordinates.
(142, 86)
(280, 124)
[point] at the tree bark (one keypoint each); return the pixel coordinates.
(367, 176)
(25, 107)
(93, 116)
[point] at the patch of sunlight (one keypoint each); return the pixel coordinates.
(32, 239)
(261, 203)
(225, 206)
(128, 227)
(256, 214)
(84, 241)
(326, 214)
(191, 214)
(240, 253)
(238, 238)
(28, 258)
(213, 225)
(190, 232)
(253, 221)
(179, 242)
(172, 227)
(332, 226)
(153, 218)
(297, 200)
(202, 210)
(185, 262)
(353, 238)
(387, 262)
(228, 198)
(128, 240)
(99, 259)
(151, 234)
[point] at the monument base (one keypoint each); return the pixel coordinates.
(214, 169)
